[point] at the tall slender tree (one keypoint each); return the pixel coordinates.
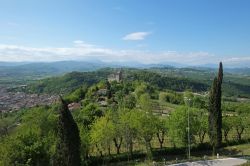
(68, 146)
(218, 105)
(215, 113)
(212, 118)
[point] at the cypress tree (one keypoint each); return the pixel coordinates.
(68, 146)
(215, 113)
(218, 105)
(212, 118)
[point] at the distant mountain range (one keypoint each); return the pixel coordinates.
(61, 67)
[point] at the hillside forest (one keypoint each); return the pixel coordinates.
(111, 116)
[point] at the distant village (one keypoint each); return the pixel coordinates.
(13, 101)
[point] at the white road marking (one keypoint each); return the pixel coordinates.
(216, 162)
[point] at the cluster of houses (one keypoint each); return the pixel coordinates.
(13, 101)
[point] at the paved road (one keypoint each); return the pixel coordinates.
(217, 162)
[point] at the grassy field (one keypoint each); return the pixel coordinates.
(242, 150)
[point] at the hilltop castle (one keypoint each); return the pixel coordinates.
(116, 76)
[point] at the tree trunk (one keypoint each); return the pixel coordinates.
(160, 138)
(239, 133)
(225, 135)
(86, 155)
(214, 150)
(149, 149)
(118, 144)
(130, 148)
(202, 136)
(98, 149)
(109, 153)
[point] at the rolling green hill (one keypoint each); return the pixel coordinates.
(52, 77)
(66, 83)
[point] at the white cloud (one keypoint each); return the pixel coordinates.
(80, 43)
(84, 51)
(136, 36)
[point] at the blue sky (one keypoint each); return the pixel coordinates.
(148, 31)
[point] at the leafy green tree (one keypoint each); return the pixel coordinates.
(202, 127)
(145, 102)
(199, 102)
(5, 125)
(32, 131)
(26, 148)
(102, 134)
(76, 95)
(241, 122)
(129, 131)
(145, 124)
(162, 97)
(119, 97)
(85, 141)
(42, 119)
(227, 126)
(178, 123)
(130, 101)
(89, 114)
(188, 98)
(118, 136)
(143, 88)
(161, 130)
(243, 108)
(171, 97)
(68, 146)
